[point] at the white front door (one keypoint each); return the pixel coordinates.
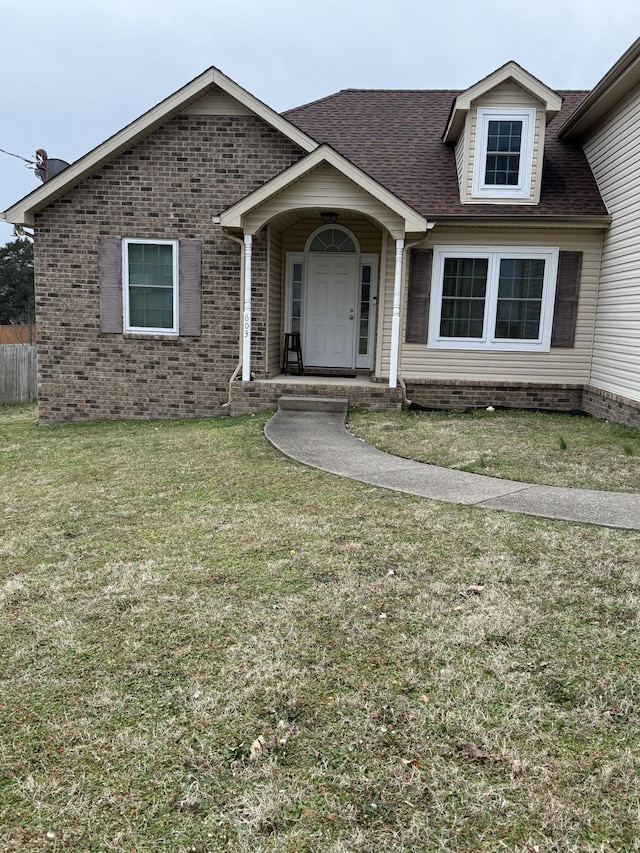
(330, 315)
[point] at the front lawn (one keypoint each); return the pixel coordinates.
(209, 647)
(532, 447)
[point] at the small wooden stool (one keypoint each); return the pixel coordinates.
(292, 345)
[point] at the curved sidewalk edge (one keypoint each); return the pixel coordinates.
(321, 440)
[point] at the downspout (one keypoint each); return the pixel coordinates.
(405, 400)
(395, 315)
(246, 316)
(239, 364)
(247, 245)
(231, 381)
(595, 314)
(401, 250)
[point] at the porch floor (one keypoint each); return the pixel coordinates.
(314, 379)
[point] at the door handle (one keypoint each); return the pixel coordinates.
(351, 313)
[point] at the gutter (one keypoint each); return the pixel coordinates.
(593, 221)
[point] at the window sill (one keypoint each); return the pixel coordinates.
(151, 336)
(511, 346)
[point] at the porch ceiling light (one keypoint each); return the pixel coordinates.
(329, 216)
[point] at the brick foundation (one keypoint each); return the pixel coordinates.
(611, 407)
(455, 394)
(247, 397)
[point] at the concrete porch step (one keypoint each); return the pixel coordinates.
(293, 403)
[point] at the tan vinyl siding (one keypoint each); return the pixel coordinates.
(461, 158)
(217, 103)
(614, 156)
(506, 96)
(295, 239)
(559, 365)
(324, 187)
(275, 302)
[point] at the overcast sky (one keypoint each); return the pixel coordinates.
(73, 72)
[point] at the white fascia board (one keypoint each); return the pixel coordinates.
(22, 212)
(233, 217)
(606, 94)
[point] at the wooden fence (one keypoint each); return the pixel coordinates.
(18, 374)
(18, 334)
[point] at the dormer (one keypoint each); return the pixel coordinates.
(497, 127)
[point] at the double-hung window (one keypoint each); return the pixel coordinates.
(150, 279)
(492, 298)
(503, 156)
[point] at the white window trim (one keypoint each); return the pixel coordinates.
(494, 254)
(293, 258)
(365, 362)
(145, 330)
(523, 188)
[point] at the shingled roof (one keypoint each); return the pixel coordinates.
(396, 137)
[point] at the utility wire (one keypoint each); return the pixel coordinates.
(30, 162)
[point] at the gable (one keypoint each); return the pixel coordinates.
(354, 188)
(211, 82)
(324, 186)
(509, 99)
(217, 102)
(513, 73)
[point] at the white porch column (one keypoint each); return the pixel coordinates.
(395, 317)
(246, 315)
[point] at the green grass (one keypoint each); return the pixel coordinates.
(531, 447)
(171, 591)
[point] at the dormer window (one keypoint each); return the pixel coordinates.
(503, 156)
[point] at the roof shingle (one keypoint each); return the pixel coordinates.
(396, 137)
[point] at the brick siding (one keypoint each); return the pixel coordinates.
(167, 186)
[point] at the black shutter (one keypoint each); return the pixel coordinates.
(420, 263)
(110, 272)
(190, 289)
(565, 313)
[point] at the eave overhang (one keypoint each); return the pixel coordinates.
(621, 79)
(22, 213)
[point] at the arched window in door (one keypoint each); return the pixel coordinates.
(335, 240)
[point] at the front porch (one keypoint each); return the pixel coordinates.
(360, 392)
(322, 259)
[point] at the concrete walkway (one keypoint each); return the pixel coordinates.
(320, 439)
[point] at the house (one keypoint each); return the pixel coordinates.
(452, 248)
